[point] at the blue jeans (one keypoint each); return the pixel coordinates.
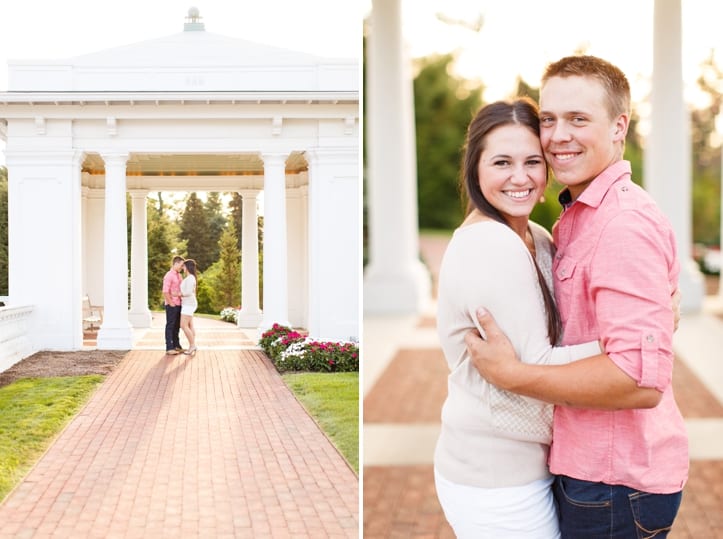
(173, 326)
(597, 510)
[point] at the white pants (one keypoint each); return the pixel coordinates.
(526, 511)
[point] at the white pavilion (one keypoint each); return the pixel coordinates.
(194, 111)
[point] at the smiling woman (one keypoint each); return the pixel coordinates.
(497, 252)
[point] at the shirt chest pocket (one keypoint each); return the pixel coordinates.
(565, 282)
(574, 298)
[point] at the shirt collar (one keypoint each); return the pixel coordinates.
(594, 193)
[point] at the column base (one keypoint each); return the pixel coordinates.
(397, 293)
(140, 319)
(249, 319)
(692, 287)
(115, 338)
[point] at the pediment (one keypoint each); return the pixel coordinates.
(197, 49)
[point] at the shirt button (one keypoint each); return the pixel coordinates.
(563, 272)
(624, 188)
(650, 338)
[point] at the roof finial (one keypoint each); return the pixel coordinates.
(193, 21)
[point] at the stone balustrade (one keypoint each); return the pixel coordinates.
(15, 343)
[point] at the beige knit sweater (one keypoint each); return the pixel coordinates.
(489, 437)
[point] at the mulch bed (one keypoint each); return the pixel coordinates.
(51, 364)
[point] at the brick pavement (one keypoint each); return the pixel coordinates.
(173, 446)
(400, 500)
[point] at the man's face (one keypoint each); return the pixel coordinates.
(579, 138)
(178, 266)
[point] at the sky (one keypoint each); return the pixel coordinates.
(520, 37)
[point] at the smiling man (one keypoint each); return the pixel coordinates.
(620, 448)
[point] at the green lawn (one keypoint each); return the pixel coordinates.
(333, 400)
(33, 411)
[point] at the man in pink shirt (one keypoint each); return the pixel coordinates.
(172, 301)
(620, 449)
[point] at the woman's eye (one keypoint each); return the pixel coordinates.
(501, 163)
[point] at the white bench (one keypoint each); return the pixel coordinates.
(92, 315)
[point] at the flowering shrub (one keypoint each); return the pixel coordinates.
(291, 351)
(229, 314)
(270, 335)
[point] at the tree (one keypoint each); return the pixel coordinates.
(228, 281)
(235, 216)
(260, 223)
(195, 230)
(160, 250)
(706, 152)
(216, 221)
(444, 106)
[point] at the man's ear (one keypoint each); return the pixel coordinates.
(620, 127)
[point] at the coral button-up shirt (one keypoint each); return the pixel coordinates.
(172, 284)
(615, 269)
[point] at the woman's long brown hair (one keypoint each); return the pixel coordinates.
(521, 111)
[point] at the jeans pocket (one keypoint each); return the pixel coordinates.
(654, 513)
(585, 508)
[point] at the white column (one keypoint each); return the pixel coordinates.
(93, 239)
(139, 315)
(720, 279)
(44, 224)
(295, 255)
(275, 280)
(115, 332)
(667, 153)
(250, 315)
(395, 281)
(333, 243)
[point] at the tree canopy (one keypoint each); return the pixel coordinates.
(444, 106)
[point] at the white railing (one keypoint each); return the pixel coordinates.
(15, 343)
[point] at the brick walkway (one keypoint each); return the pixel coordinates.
(402, 409)
(172, 446)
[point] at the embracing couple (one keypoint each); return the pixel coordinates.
(179, 298)
(561, 421)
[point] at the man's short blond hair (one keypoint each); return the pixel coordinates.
(611, 77)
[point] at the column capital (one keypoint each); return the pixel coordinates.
(249, 193)
(138, 193)
(115, 157)
(274, 158)
(335, 155)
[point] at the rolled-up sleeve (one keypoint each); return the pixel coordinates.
(631, 288)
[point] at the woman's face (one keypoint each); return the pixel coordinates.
(512, 171)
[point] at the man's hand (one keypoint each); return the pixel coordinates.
(494, 357)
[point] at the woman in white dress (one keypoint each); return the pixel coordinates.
(189, 305)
